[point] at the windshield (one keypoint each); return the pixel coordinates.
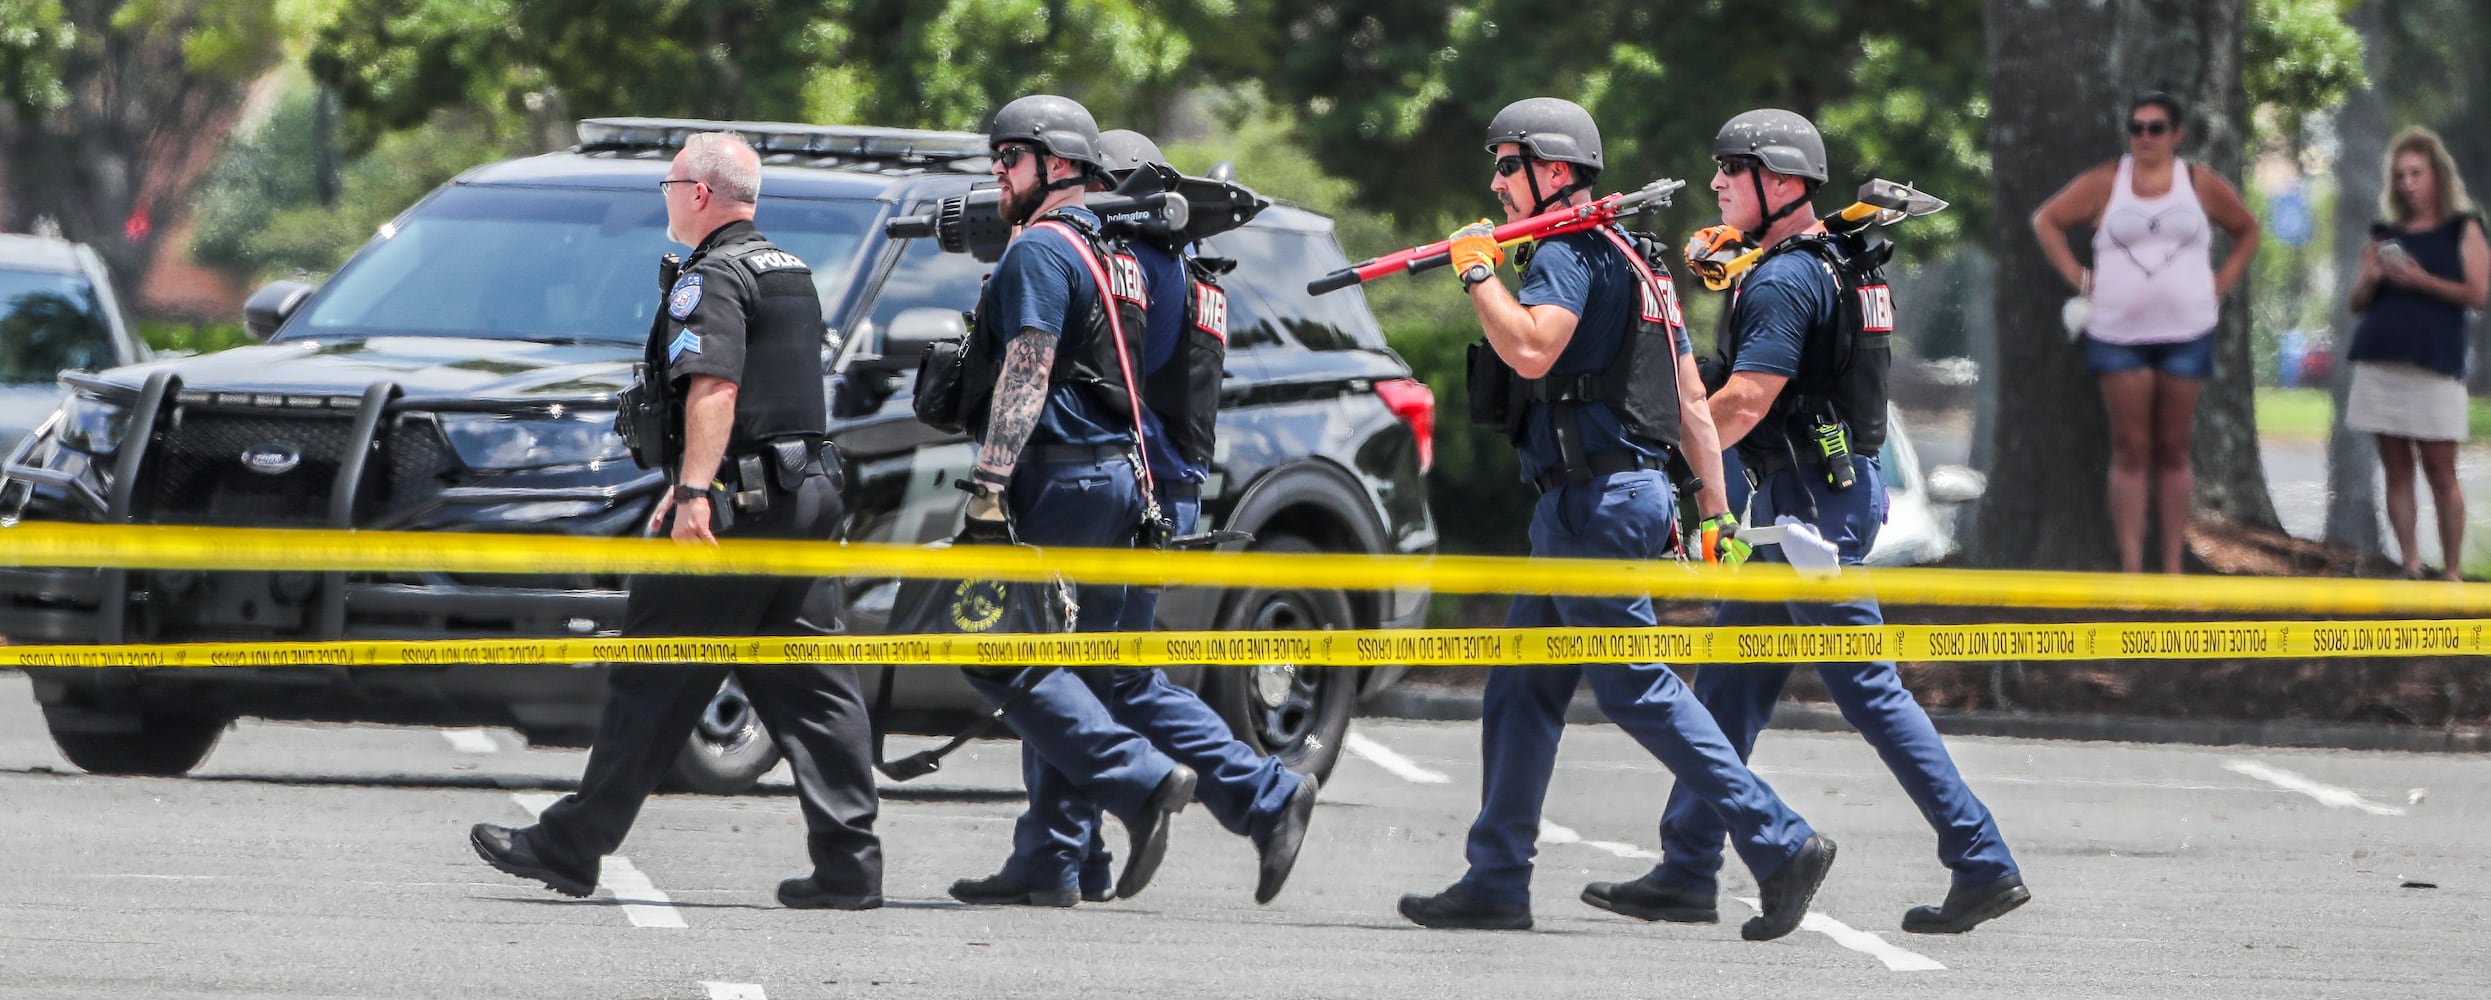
(48, 323)
(548, 264)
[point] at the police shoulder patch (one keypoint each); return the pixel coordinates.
(685, 298)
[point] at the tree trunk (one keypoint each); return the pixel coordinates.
(2361, 131)
(2061, 75)
(2040, 431)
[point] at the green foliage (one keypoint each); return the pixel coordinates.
(260, 212)
(35, 36)
(192, 338)
(2301, 57)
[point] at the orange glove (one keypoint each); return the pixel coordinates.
(1717, 253)
(1474, 245)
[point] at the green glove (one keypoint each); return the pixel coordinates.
(1719, 540)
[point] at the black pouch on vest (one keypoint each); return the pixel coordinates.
(940, 374)
(1495, 402)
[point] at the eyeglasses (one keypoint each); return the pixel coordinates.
(1507, 166)
(1735, 166)
(661, 185)
(1010, 156)
(2155, 127)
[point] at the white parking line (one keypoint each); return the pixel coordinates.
(471, 741)
(1896, 959)
(2340, 798)
(642, 903)
(1387, 758)
(1551, 833)
(734, 991)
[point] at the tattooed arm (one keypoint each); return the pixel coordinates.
(1020, 393)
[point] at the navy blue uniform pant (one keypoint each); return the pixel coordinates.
(1243, 789)
(1623, 516)
(1870, 695)
(1074, 754)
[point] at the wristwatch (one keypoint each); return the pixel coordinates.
(685, 492)
(1476, 274)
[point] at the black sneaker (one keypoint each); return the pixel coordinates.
(998, 890)
(514, 853)
(1150, 830)
(1647, 899)
(807, 894)
(1454, 908)
(1967, 907)
(1278, 849)
(1785, 896)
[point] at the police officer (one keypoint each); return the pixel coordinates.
(1183, 341)
(1806, 411)
(738, 348)
(1048, 392)
(1594, 360)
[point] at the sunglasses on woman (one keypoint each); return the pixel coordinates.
(2154, 128)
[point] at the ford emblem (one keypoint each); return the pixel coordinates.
(276, 458)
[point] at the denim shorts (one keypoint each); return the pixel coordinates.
(2193, 358)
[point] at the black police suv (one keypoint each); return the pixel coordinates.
(459, 374)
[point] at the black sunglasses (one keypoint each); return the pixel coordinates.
(1736, 166)
(1507, 166)
(1010, 156)
(2154, 127)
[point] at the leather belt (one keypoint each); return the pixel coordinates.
(1074, 454)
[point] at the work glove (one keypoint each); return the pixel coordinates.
(986, 523)
(1474, 245)
(1719, 541)
(1718, 254)
(1807, 551)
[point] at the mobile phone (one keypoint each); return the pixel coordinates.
(2392, 251)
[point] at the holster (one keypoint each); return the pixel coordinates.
(640, 418)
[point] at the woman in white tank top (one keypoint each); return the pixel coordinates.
(2146, 310)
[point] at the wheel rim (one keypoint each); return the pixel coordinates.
(728, 724)
(1285, 699)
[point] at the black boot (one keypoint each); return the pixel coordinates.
(1278, 848)
(1967, 907)
(1454, 908)
(808, 894)
(1786, 895)
(514, 852)
(1150, 831)
(1648, 899)
(999, 890)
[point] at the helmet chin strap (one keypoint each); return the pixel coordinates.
(1080, 178)
(1755, 179)
(1540, 204)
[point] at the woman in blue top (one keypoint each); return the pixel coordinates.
(2419, 274)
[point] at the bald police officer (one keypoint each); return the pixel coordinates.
(738, 343)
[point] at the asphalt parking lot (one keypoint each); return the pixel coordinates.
(306, 861)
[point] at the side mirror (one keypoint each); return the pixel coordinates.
(1953, 484)
(910, 333)
(268, 308)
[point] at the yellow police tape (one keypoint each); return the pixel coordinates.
(32, 544)
(1357, 648)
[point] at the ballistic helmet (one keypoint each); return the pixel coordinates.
(1058, 125)
(1124, 149)
(1783, 141)
(1548, 128)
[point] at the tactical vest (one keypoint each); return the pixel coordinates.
(1640, 384)
(1185, 392)
(1102, 366)
(781, 391)
(1842, 371)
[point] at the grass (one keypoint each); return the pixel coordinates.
(2306, 414)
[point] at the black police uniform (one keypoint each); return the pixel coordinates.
(745, 311)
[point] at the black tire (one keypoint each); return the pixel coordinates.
(729, 750)
(1299, 714)
(163, 746)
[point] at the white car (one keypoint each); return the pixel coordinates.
(1920, 518)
